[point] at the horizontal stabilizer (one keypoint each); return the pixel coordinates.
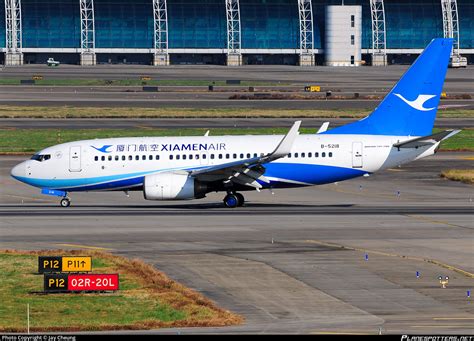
(426, 140)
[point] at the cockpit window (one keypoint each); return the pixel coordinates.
(41, 157)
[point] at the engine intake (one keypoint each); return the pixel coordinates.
(172, 186)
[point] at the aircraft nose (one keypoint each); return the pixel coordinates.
(18, 171)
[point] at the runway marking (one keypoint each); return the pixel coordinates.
(396, 170)
(452, 318)
(440, 222)
(467, 158)
(381, 253)
(85, 247)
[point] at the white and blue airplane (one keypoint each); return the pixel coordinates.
(398, 131)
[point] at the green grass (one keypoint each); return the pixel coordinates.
(7, 111)
(136, 82)
(147, 299)
(32, 140)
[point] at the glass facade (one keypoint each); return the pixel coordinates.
(51, 23)
(466, 23)
(265, 24)
(2, 25)
(197, 24)
(411, 24)
(269, 24)
(123, 23)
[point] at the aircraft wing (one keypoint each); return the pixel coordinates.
(248, 171)
(426, 140)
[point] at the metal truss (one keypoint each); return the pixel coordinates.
(451, 23)
(233, 27)
(160, 15)
(379, 36)
(13, 25)
(87, 26)
(306, 27)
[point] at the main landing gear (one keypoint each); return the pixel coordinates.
(233, 200)
(65, 202)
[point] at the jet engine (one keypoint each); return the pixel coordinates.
(172, 186)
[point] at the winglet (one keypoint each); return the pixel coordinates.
(284, 147)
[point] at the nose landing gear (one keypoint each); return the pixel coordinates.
(233, 200)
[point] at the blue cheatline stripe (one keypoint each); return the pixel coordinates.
(285, 174)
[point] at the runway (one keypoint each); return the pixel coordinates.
(205, 123)
(338, 258)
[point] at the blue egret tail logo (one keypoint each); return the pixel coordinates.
(103, 149)
(418, 103)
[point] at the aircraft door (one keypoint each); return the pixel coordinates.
(75, 159)
(357, 158)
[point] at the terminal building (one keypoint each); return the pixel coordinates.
(232, 32)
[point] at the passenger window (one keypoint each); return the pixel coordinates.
(123, 157)
(190, 156)
(137, 157)
(116, 157)
(234, 156)
(130, 157)
(310, 154)
(227, 156)
(254, 154)
(296, 154)
(150, 157)
(177, 157)
(143, 157)
(316, 154)
(96, 158)
(171, 157)
(323, 154)
(330, 154)
(289, 155)
(197, 156)
(241, 156)
(249, 156)
(110, 157)
(220, 156)
(212, 156)
(184, 156)
(157, 157)
(204, 156)
(102, 158)
(303, 154)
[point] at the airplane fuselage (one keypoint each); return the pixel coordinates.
(122, 163)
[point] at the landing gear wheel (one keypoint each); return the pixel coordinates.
(231, 201)
(241, 199)
(65, 202)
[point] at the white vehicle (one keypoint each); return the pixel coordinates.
(457, 61)
(398, 131)
(52, 62)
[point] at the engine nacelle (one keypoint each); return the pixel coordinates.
(172, 186)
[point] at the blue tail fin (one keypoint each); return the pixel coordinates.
(410, 107)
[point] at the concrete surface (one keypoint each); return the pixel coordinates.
(298, 266)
